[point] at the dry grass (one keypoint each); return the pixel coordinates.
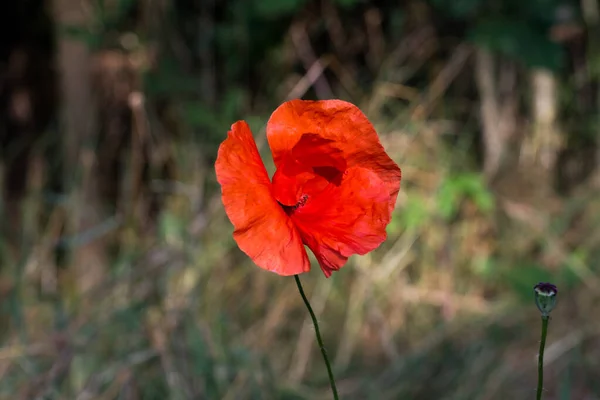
(440, 311)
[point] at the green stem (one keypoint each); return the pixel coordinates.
(545, 319)
(319, 340)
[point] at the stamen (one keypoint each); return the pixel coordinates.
(300, 202)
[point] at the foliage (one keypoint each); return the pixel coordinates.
(442, 310)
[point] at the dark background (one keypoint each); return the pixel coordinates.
(119, 278)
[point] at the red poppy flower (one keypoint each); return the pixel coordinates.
(334, 189)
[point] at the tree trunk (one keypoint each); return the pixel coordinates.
(541, 147)
(79, 136)
(591, 15)
(498, 110)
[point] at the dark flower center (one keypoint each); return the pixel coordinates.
(310, 167)
(290, 209)
(300, 202)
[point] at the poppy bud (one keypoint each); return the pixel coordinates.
(545, 297)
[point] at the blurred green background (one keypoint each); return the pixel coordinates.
(119, 278)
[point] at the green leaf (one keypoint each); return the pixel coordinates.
(473, 186)
(460, 187)
(522, 278)
(458, 8)
(543, 11)
(347, 3)
(414, 214)
(570, 273)
(171, 228)
(113, 17)
(519, 40)
(171, 80)
(232, 104)
(448, 198)
(197, 115)
(397, 22)
(277, 8)
(80, 33)
(485, 267)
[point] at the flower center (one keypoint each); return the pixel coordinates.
(290, 209)
(300, 202)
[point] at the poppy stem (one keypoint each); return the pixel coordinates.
(540, 386)
(319, 339)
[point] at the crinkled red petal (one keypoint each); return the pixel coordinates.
(343, 126)
(344, 220)
(345, 208)
(262, 228)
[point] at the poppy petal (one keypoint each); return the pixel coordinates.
(311, 165)
(344, 220)
(262, 229)
(341, 124)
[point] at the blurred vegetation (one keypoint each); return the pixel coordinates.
(119, 278)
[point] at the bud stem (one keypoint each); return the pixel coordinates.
(540, 386)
